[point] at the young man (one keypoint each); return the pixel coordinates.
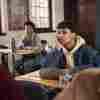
(71, 50)
(31, 40)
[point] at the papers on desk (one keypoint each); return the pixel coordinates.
(35, 77)
(30, 76)
(23, 51)
(28, 50)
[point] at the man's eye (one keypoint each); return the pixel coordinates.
(59, 32)
(64, 32)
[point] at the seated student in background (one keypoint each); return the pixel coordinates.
(32, 41)
(71, 50)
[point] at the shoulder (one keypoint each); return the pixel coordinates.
(54, 52)
(88, 50)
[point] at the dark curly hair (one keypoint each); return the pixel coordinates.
(66, 24)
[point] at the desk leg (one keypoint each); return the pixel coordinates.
(4, 58)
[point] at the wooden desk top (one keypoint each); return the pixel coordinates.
(26, 51)
(35, 77)
(23, 51)
(5, 50)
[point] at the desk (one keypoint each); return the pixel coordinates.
(5, 51)
(25, 51)
(35, 77)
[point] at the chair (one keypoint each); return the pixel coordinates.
(84, 86)
(13, 47)
(4, 56)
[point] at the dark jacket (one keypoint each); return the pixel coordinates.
(83, 57)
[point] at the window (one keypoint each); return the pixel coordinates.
(40, 14)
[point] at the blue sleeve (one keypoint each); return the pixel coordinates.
(52, 59)
(97, 60)
(47, 60)
(94, 57)
(43, 61)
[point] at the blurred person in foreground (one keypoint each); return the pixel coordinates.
(11, 89)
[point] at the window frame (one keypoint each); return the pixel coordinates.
(43, 30)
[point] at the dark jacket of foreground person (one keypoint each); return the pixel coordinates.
(11, 89)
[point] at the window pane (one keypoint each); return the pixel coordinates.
(41, 5)
(44, 25)
(38, 24)
(33, 2)
(42, 0)
(37, 18)
(36, 2)
(37, 12)
(46, 3)
(33, 11)
(44, 21)
(46, 12)
(40, 13)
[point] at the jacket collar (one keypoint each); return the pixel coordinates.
(79, 42)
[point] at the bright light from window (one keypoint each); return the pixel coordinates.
(39, 13)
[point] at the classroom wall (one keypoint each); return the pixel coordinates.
(57, 16)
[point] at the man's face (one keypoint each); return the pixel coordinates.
(65, 37)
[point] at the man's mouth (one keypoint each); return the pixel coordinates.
(61, 40)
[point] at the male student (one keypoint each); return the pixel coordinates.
(71, 50)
